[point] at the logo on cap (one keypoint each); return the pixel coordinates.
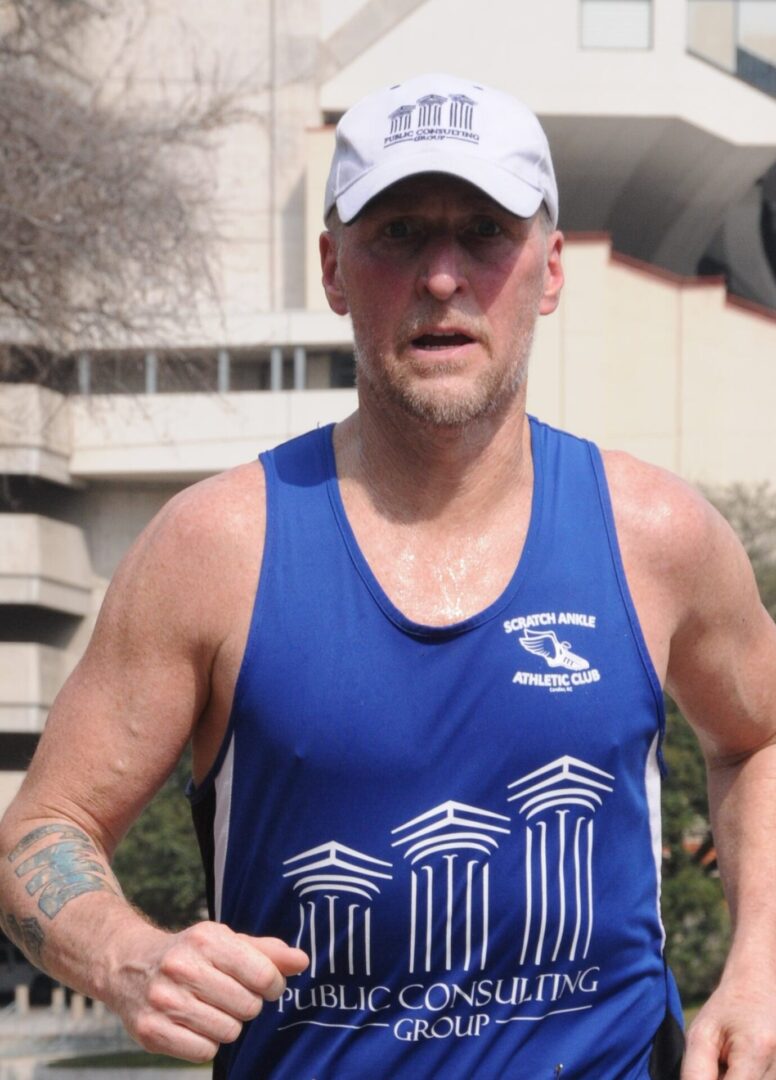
(433, 117)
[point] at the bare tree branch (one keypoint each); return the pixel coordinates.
(106, 213)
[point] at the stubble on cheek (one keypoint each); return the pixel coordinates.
(431, 394)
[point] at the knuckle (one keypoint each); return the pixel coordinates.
(269, 982)
(161, 997)
(231, 1032)
(251, 1009)
(201, 934)
(175, 965)
(701, 1032)
(761, 1046)
(147, 1031)
(275, 988)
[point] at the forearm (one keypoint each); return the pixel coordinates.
(61, 904)
(742, 799)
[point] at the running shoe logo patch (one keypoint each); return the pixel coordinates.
(556, 653)
(560, 665)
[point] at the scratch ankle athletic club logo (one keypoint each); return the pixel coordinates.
(449, 869)
(559, 666)
(432, 118)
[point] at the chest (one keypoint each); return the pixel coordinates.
(437, 581)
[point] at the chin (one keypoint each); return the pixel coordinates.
(457, 406)
(446, 399)
(451, 410)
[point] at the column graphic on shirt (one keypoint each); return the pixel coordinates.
(335, 886)
(558, 803)
(448, 848)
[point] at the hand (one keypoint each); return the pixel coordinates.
(733, 1036)
(184, 994)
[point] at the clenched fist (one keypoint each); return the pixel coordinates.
(184, 994)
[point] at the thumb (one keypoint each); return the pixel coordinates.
(287, 959)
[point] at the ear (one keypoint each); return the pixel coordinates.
(553, 274)
(331, 277)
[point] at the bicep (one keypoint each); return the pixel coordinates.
(722, 666)
(122, 719)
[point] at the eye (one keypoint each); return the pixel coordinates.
(484, 228)
(399, 229)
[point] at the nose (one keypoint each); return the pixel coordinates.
(442, 272)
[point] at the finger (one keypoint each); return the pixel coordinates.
(751, 1059)
(701, 1060)
(286, 958)
(243, 958)
(211, 945)
(272, 960)
(160, 1035)
(182, 1008)
(188, 972)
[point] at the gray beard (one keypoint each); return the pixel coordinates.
(486, 398)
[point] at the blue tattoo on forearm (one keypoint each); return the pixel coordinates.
(62, 870)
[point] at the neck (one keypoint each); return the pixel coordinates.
(413, 472)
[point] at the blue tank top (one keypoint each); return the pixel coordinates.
(459, 824)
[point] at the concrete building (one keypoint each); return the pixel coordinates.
(662, 116)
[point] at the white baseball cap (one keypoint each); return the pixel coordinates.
(441, 123)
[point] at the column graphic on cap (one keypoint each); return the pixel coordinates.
(430, 114)
(461, 111)
(401, 119)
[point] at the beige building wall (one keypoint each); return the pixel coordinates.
(673, 372)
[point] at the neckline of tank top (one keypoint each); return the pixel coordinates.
(381, 598)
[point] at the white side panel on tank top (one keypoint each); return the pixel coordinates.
(652, 783)
(223, 786)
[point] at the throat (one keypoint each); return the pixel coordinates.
(436, 583)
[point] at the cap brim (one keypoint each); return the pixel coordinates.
(508, 190)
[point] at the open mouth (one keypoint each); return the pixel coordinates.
(441, 341)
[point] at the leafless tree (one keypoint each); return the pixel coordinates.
(106, 219)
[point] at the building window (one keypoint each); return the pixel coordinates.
(616, 24)
(738, 36)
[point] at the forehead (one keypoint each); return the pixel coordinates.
(433, 191)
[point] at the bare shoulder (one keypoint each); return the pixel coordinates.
(211, 513)
(690, 574)
(661, 519)
(209, 535)
(676, 547)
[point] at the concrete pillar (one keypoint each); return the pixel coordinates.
(300, 367)
(223, 371)
(84, 373)
(77, 1006)
(276, 368)
(58, 999)
(21, 999)
(151, 373)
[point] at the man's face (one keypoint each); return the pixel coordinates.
(444, 287)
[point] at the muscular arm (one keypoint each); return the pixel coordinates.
(158, 671)
(717, 646)
(723, 676)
